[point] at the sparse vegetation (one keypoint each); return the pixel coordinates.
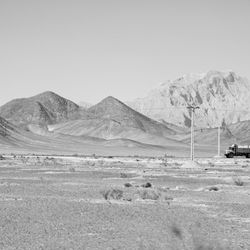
(238, 181)
(128, 185)
(149, 194)
(211, 164)
(146, 185)
(113, 193)
(2, 158)
(72, 169)
(176, 231)
(124, 175)
(139, 201)
(164, 161)
(213, 188)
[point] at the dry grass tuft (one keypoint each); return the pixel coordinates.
(177, 231)
(238, 181)
(149, 194)
(114, 193)
(146, 185)
(128, 185)
(213, 188)
(124, 175)
(2, 158)
(72, 169)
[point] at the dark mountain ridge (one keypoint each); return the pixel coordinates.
(45, 108)
(112, 119)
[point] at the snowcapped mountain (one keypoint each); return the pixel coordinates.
(221, 96)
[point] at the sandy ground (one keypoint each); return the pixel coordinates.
(83, 203)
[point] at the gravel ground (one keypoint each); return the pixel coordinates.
(79, 203)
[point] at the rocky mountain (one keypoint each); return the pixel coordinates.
(45, 108)
(111, 119)
(221, 96)
(5, 128)
(241, 131)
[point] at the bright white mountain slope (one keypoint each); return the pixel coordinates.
(221, 96)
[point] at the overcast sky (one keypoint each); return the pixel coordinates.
(86, 50)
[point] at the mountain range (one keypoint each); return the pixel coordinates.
(45, 108)
(158, 122)
(223, 97)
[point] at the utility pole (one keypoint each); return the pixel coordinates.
(219, 140)
(219, 132)
(192, 108)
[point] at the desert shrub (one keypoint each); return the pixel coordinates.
(43, 180)
(128, 185)
(124, 175)
(146, 185)
(176, 231)
(149, 194)
(238, 182)
(213, 188)
(2, 158)
(164, 161)
(211, 164)
(13, 155)
(168, 198)
(72, 169)
(114, 193)
(90, 163)
(101, 162)
(105, 194)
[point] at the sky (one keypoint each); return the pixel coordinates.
(85, 50)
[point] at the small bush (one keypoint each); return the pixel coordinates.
(115, 194)
(149, 195)
(213, 188)
(211, 164)
(123, 175)
(147, 185)
(105, 194)
(2, 158)
(177, 232)
(128, 185)
(238, 182)
(164, 161)
(72, 169)
(168, 198)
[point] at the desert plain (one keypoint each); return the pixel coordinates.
(108, 202)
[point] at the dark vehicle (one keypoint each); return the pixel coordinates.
(237, 150)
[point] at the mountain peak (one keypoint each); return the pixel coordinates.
(110, 99)
(217, 93)
(45, 108)
(108, 105)
(47, 94)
